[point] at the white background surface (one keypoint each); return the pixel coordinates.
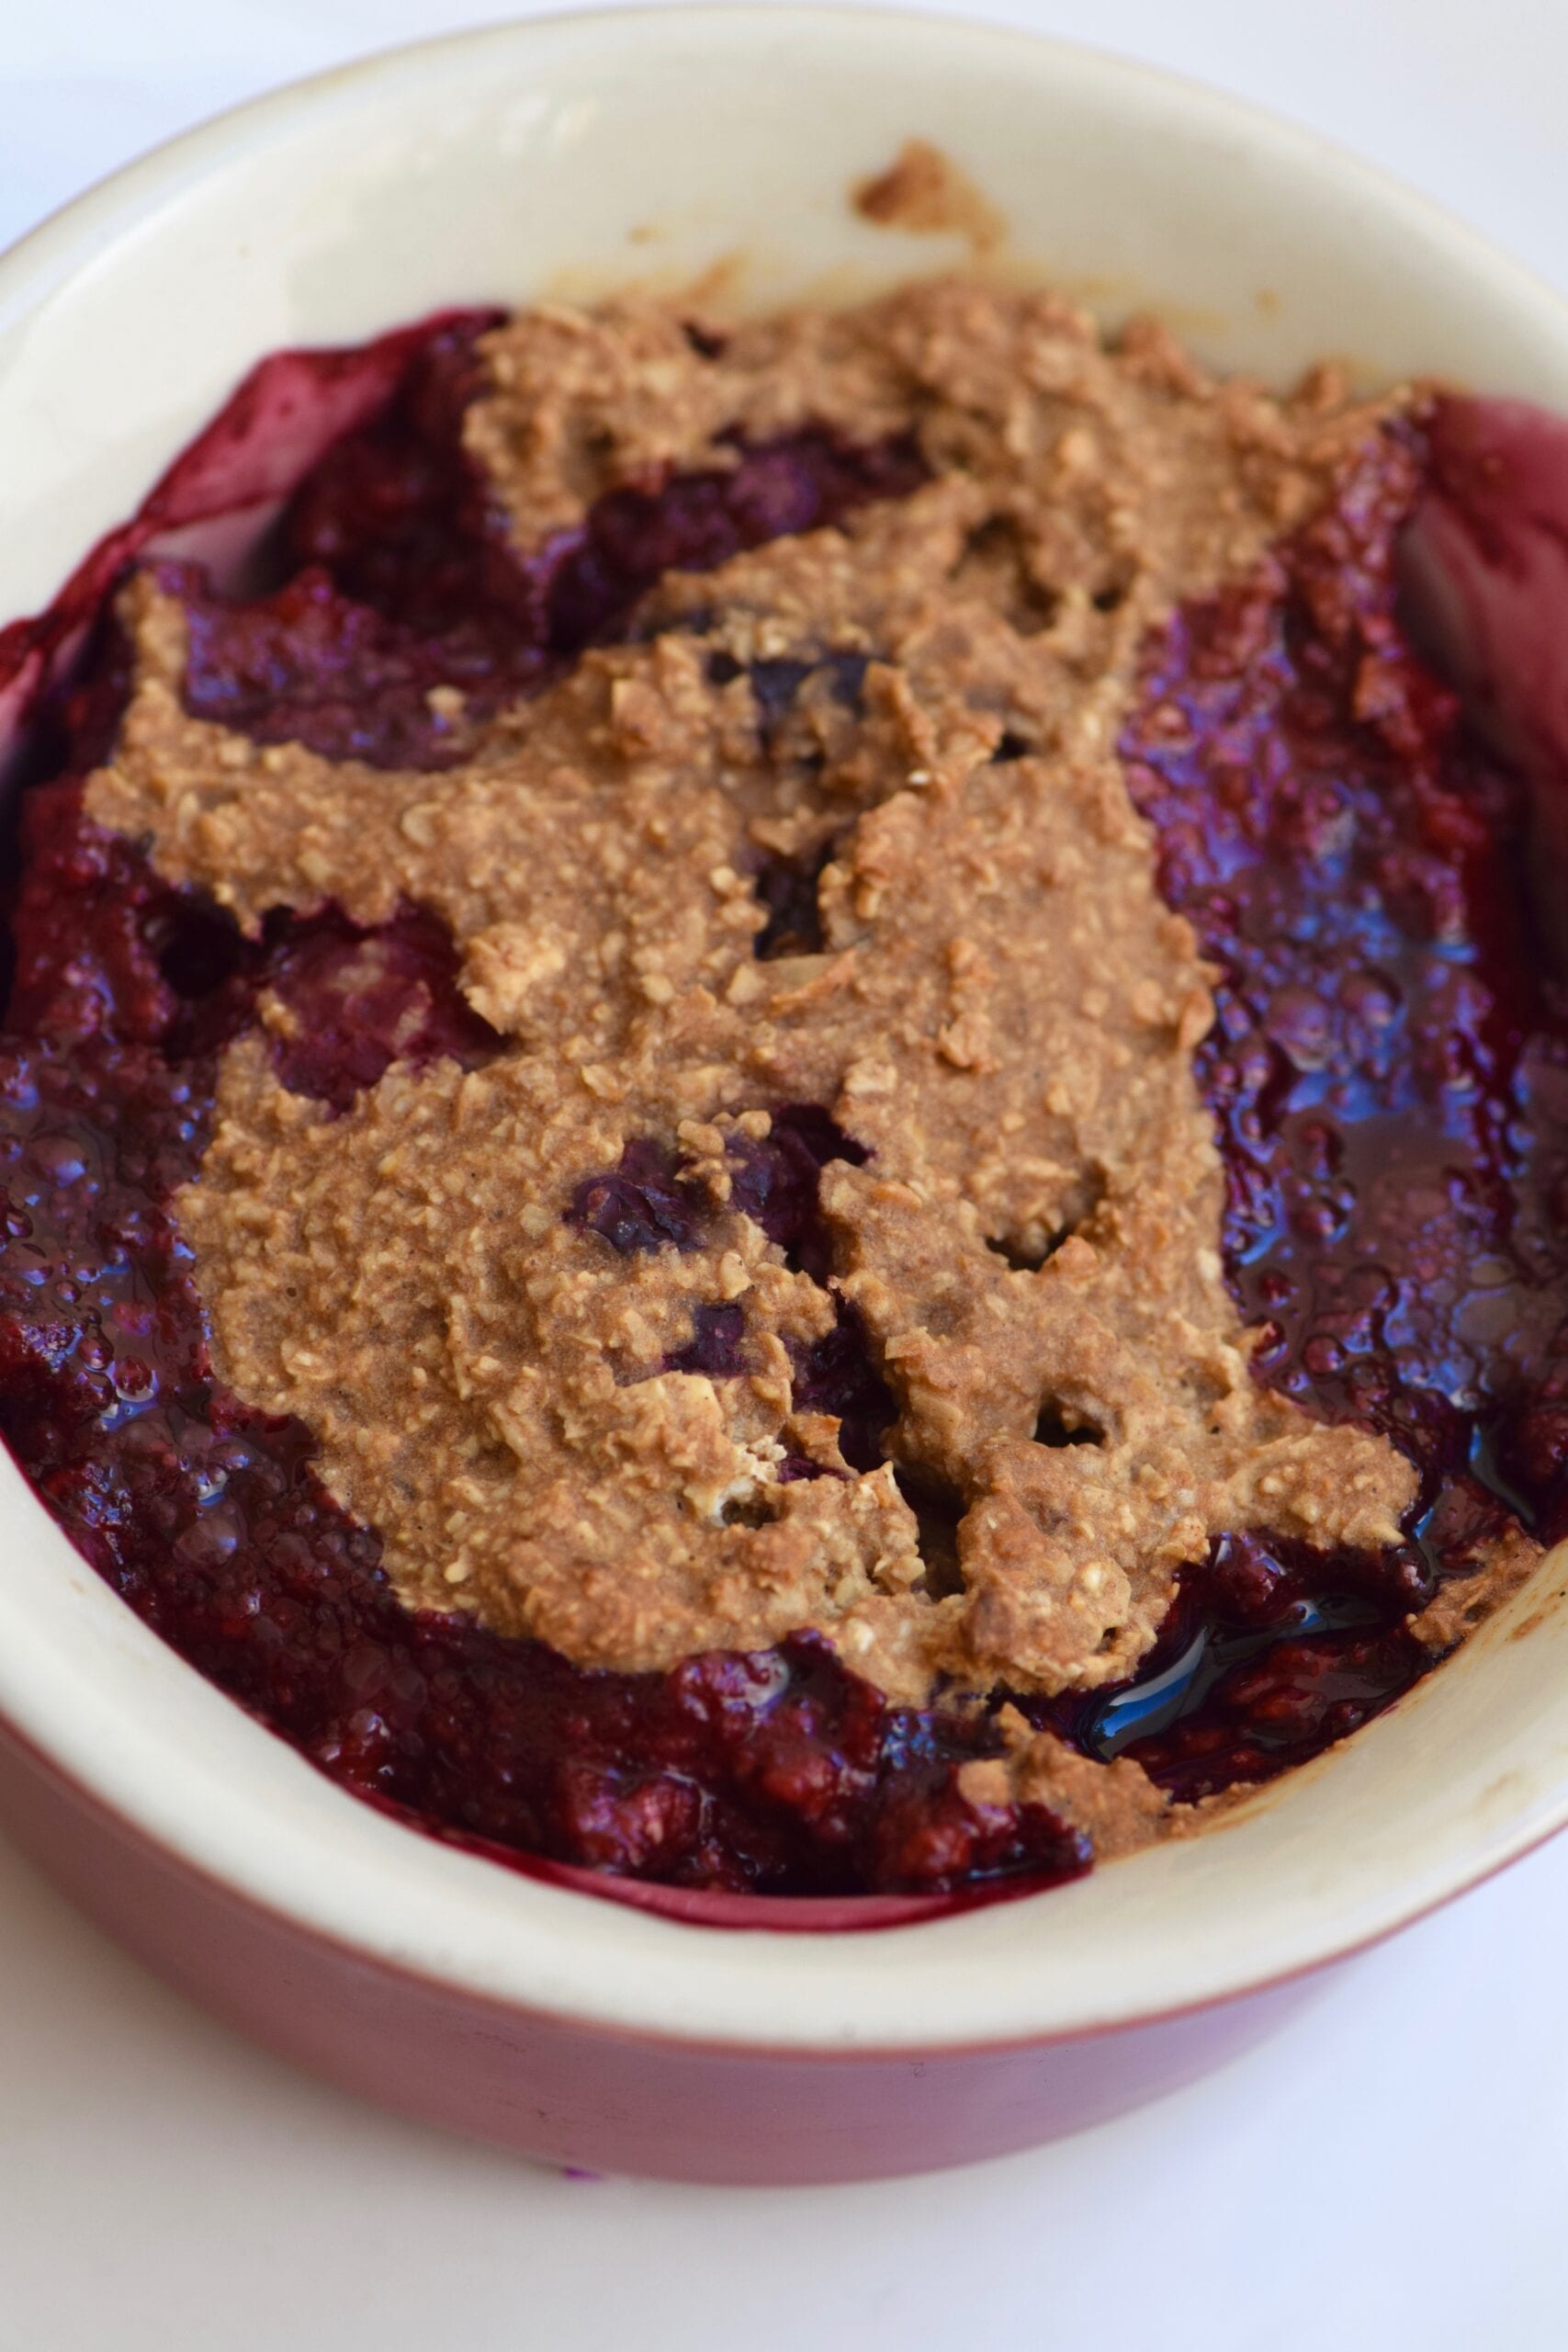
(1391, 2171)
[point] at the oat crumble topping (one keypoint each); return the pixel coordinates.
(1021, 1189)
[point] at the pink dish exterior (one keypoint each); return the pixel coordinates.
(562, 156)
(545, 2087)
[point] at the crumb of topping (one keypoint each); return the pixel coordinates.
(1116, 1805)
(1467, 1601)
(923, 190)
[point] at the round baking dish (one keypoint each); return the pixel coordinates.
(564, 156)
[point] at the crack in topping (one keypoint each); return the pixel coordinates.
(737, 1293)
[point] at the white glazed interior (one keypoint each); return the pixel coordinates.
(575, 153)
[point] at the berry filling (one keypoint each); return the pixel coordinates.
(1388, 1076)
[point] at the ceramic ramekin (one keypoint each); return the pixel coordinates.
(565, 155)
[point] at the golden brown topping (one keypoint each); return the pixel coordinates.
(611, 1417)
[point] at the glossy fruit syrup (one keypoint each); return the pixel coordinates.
(1388, 1076)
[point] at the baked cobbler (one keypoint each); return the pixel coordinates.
(787, 1123)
